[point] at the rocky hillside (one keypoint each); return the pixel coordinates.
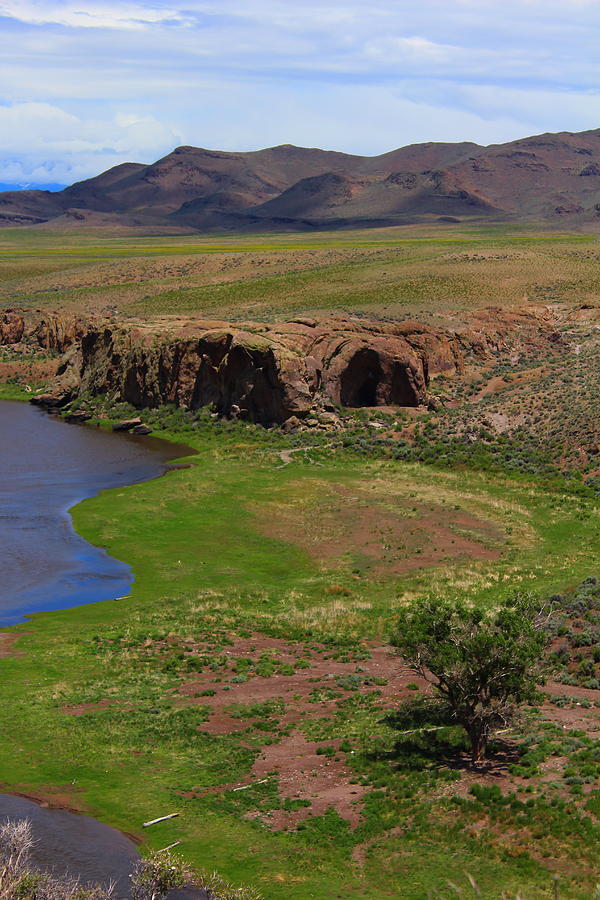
(551, 177)
(267, 373)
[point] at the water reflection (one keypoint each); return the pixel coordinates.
(46, 466)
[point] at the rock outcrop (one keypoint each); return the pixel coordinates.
(50, 331)
(12, 327)
(59, 332)
(270, 373)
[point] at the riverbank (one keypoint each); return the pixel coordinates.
(256, 633)
(48, 466)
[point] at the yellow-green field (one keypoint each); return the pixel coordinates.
(395, 272)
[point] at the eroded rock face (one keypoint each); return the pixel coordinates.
(268, 373)
(58, 333)
(272, 373)
(12, 327)
(49, 331)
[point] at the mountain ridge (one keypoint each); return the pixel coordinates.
(550, 178)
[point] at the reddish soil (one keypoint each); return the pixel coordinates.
(309, 695)
(327, 781)
(579, 717)
(388, 543)
(34, 371)
(498, 383)
(302, 773)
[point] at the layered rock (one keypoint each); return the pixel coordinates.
(50, 331)
(269, 373)
(12, 327)
(59, 332)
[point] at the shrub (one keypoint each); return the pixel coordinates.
(482, 665)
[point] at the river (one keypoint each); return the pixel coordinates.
(46, 467)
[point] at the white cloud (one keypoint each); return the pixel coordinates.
(43, 143)
(92, 83)
(94, 15)
(398, 50)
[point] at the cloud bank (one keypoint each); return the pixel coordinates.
(85, 86)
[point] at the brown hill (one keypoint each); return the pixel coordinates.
(550, 178)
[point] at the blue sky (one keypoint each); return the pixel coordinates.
(86, 85)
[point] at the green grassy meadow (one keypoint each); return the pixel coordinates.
(392, 271)
(269, 569)
(207, 572)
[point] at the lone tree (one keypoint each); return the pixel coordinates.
(483, 665)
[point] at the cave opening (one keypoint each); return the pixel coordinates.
(402, 389)
(361, 379)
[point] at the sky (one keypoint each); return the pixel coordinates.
(87, 85)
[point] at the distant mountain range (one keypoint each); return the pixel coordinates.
(31, 187)
(550, 178)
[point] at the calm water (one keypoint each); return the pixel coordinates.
(67, 844)
(47, 466)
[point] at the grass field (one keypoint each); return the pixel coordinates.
(394, 271)
(253, 651)
(104, 707)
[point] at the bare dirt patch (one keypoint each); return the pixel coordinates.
(580, 717)
(304, 775)
(34, 371)
(499, 383)
(308, 693)
(358, 529)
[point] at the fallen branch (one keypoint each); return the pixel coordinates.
(246, 786)
(170, 847)
(160, 819)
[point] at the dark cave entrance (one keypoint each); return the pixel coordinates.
(361, 379)
(402, 390)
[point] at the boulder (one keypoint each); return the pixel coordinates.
(142, 429)
(77, 417)
(126, 424)
(12, 327)
(291, 425)
(50, 401)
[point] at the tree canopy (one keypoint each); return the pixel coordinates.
(482, 664)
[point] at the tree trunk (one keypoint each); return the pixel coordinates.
(478, 737)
